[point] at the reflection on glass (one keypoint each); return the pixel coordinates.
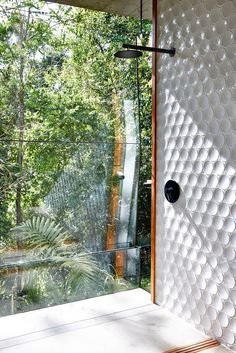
(74, 239)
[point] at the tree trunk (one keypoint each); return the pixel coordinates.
(20, 127)
(20, 157)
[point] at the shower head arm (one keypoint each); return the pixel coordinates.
(170, 51)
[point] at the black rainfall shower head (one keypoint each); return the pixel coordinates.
(128, 54)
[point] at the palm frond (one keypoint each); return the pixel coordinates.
(42, 233)
(83, 271)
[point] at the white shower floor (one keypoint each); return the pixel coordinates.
(119, 323)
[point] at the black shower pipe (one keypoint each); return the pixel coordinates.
(170, 51)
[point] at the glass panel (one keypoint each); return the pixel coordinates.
(28, 284)
(70, 155)
(76, 202)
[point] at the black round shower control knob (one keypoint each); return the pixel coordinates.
(172, 191)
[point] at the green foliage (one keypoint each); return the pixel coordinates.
(69, 270)
(146, 284)
(59, 88)
(63, 65)
(31, 295)
(83, 271)
(43, 234)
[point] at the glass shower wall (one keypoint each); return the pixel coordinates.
(69, 156)
(74, 240)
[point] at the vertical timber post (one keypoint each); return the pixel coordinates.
(154, 152)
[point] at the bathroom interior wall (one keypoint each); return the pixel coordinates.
(196, 236)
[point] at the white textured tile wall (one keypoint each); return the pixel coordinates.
(196, 237)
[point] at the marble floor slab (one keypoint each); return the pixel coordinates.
(118, 323)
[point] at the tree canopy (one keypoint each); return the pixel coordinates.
(58, 80)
